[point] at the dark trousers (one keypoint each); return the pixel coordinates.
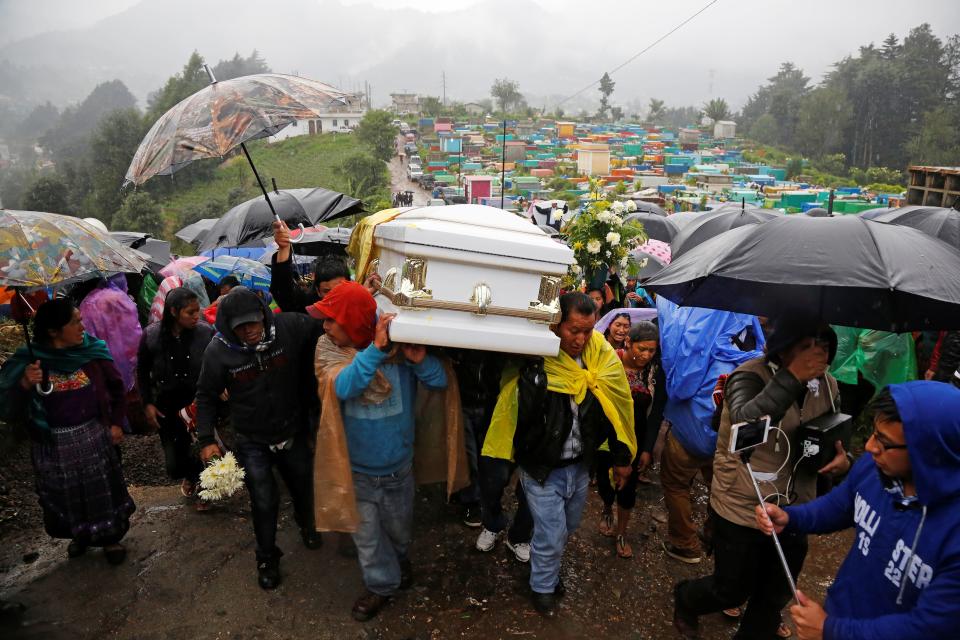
(296, 468)
(626, 496)
(180, 462)
(746, 569)
(495, 474)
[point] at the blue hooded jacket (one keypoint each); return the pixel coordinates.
(696, 347)
(901, 579)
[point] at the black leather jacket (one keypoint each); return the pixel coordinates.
(748, 397)
(544, 420)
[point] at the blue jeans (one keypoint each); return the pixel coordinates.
(385, 505)
(296, 468)
(556, 507)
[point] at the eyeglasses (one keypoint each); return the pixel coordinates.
(884, 445)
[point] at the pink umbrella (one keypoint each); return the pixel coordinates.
(182, 264)
(658, 249)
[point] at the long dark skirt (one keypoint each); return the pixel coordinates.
(80, 485)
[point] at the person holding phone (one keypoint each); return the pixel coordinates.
(791, 385)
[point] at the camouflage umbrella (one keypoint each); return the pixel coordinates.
(223, 116)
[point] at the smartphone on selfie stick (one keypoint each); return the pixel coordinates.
(744, 438)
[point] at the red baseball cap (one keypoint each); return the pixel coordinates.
(351, 306)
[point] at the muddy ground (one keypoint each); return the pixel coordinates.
(192, 575)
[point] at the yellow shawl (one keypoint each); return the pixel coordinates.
(361, 247)
(439, 453)
(603, 376)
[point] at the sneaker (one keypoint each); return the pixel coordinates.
(521, 549)
(487, 540)
(471, 517)
(688, 556)
(268, 574)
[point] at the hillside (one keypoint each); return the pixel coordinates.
(303, 161)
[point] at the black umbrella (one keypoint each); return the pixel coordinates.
(649, 207)
(817, 212)
(845, 271)
(871, 214)
(939, 222)
(315, 242)
(157, 252)
(656, 227)
(251, 221)
(650, 264)
(195, 233)
(713, 223)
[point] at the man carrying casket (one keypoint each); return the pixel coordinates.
(551, 416)
(368, 390)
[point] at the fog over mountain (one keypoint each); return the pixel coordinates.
(551, 48)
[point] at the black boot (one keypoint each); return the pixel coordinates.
(311, 539)
(268, 570)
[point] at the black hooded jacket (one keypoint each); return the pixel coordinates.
(271, 385)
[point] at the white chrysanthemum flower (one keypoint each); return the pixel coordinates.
(604, 216)
(576, 269)
(616, 221)
(617, 207)
(624, 261)
(221, 478)
(631, 206)
(594, 246)
(613, 238)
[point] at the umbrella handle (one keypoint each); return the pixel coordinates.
(300, 237)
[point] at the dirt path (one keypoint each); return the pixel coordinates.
(192, 576)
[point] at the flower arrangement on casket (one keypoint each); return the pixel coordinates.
(221, 478)
(600, 238)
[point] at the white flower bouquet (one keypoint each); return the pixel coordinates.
(222, 478)
(600, 238)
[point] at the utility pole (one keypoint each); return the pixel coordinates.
(443, 81)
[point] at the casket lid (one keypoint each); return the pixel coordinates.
(478, 228)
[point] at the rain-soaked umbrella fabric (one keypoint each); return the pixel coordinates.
(649, 207)
(250, 222)
(652, 256)
(846, 271)
(39, 250)
(157, 251)
(655, 226)
(225, 114)
(817, 212)
(682, 218)
(870, 214)
(194, 233)
(186, 263)
(250, 273)
(715, 222)
(939, 222)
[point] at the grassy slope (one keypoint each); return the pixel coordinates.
(303, 161)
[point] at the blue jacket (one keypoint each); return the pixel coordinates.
(696, 347)
(901, 579)
(380, 436)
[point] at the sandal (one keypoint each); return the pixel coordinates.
(606, 524)
(624, 550)
(733, 612)
(187, 488)
(783, 631)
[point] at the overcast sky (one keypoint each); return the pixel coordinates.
(727, 51)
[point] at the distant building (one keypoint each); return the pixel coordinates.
(474, 109)
(404, 103)
(593, 158)
(341, 117)
(724, 129)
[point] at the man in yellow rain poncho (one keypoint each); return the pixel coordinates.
(551, 416)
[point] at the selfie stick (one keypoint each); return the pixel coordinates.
(745, 456)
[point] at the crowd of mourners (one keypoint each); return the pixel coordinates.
(320, 394)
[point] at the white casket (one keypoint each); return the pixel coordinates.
(470, 276)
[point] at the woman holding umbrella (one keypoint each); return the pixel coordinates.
(72, 396)
(168, 367)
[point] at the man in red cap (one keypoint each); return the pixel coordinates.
(376, 385)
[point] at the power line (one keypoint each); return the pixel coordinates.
(641, 52)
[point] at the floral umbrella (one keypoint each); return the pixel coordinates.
(40, 250)
(250, 273)
(224, 115)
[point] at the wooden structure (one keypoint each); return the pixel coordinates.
(934, 186)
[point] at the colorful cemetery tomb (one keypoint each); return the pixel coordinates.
(593, 158)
